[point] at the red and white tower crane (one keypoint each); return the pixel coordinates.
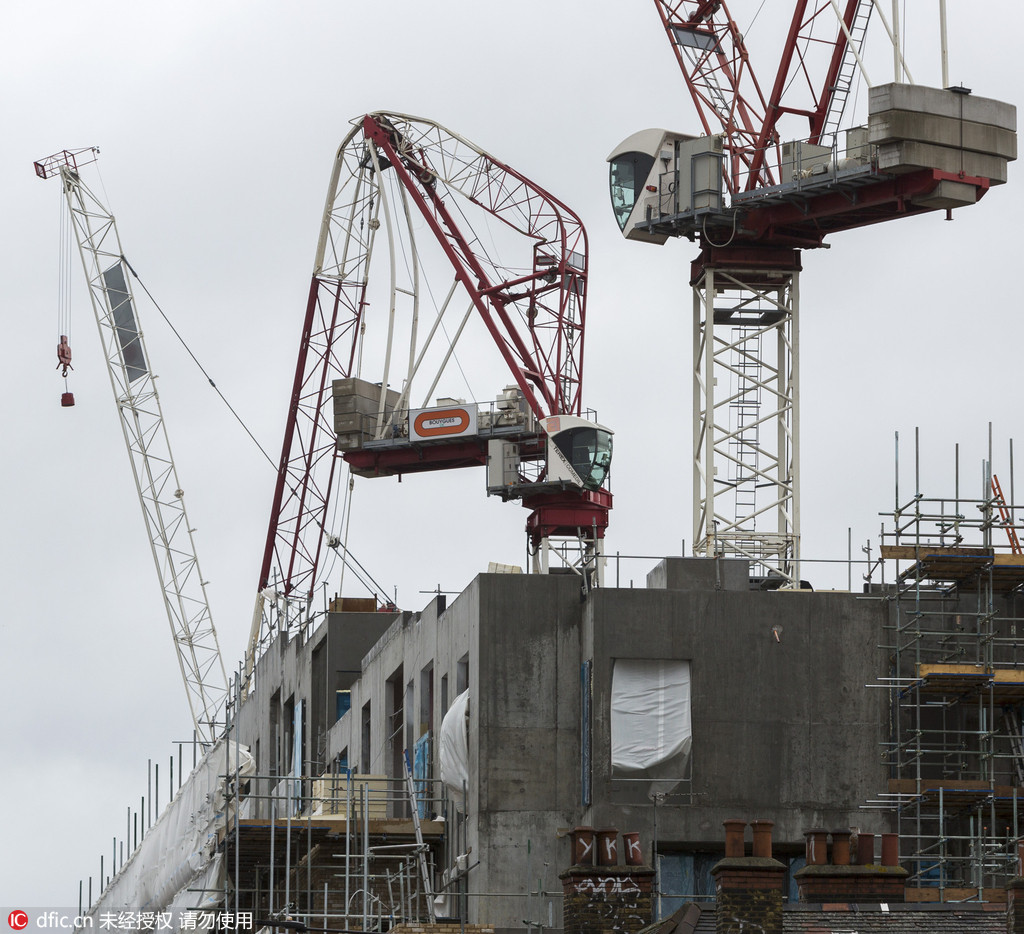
(379, 338)
(753, 198)
(145, 435)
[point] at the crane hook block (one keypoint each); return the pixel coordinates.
(67, 398)
(64, 355)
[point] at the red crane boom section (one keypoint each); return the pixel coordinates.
(715, 63)
(536, 319)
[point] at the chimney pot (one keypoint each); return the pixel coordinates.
(734, 830)
(608, 847)
(816, 847)
(633, 853)
(582, 846)
(866, 849)
(890, 849)
(762, 837)
(841, 847)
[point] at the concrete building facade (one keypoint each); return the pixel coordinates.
(782, 724)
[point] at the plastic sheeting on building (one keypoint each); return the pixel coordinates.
(453, 749)
(650, 713)
(177, 852)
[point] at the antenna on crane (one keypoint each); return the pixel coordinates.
(142, 424)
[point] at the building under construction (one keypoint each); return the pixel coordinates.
(544, 750)
(404, 767)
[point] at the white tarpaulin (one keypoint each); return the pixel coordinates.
(453, 748)
(175, 855)
(650, 712)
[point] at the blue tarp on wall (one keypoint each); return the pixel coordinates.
(421, 774)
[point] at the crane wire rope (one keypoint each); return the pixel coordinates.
(346, 511)
(237, 417)
(433, 301)
(803, 58)
(753, 19)
(195, 359)
(64, 254)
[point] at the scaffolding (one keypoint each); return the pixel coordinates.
(337, 852)
(956, 677)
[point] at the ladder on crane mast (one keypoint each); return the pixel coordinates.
(142, 423)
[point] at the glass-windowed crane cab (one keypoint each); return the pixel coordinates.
(656, 173)
(636, 169)
(579, 451)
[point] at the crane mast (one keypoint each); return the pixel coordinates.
(156, 480)
(753, 200)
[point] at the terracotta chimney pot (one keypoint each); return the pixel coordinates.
(762, 837)
(841, 847)
(865, 849)
(816, 847)
(582, 846)
(734, 830)
(890, 849)
(608, 847)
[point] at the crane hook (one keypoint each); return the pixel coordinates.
(64, 364)
(64, 355)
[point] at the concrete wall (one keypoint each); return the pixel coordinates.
(525, 748)
(287, 671)
(783, 728)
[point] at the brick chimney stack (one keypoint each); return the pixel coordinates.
(845, 880)
(602, 896)
(749, 888)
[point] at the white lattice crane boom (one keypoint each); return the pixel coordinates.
(156, 479)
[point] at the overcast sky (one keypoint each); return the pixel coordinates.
(217, 124)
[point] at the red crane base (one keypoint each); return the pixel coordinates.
(567, 513)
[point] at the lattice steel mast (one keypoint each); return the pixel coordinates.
(145, 435)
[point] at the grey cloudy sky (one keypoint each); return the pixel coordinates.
(217, 124)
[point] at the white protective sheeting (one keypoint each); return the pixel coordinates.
(650, 712)
(177, 850)
(205, 892)
(453, 749)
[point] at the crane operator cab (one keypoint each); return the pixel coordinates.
(579, 451)
(656, 174)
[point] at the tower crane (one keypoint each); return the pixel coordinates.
(524, 278)
(753, 199)
(145, 435)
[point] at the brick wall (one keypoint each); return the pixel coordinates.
(749, 891)
(606, 899)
